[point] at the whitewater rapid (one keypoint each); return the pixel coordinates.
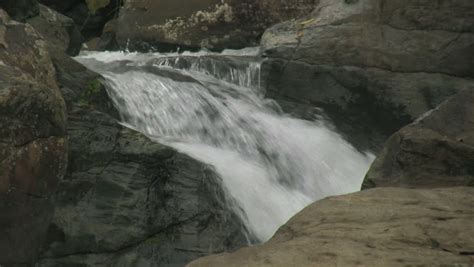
(212, 107)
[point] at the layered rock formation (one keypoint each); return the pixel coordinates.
(437, 150)
(213, 24)
(33, 147)
(381, 227)
(378, 62)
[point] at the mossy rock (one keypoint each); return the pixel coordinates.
(92, 91)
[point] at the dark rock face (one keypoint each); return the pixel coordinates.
(59, 31)
(33, 148)
(378, 227)
(90, 16)
(437, 150)
(378, 62)
(213, 24)
(20, 9)
(128, 201)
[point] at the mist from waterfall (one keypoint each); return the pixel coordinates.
(271, 164)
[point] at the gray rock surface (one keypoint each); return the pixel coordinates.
(378, 227)
(59, 31)
(380, 64)
(213, 24)
(437, 150)
(33, 147)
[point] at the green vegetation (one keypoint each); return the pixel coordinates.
(90, 92)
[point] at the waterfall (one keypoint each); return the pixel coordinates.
(211, 107)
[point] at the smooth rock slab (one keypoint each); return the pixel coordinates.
(379, 227)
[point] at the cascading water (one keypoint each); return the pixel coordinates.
(212, 108)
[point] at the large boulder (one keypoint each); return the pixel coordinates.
(437, 150)
(33, 148)
(378, 227)
(126, 200)
(59, 31)
(380, 66)
(213, 24)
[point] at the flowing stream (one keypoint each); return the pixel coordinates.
(212, 107)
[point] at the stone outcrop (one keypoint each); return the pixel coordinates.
(128, 201)
(59, 31)
(383, 63)
(212, 24)
(378, 227)
(437, 150)
(33, 148)
(90, 16)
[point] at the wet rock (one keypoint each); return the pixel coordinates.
(33, 148)
(388, 62)
(378, 227)
(437, 150)
(213, 24)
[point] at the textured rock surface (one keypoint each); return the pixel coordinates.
(127, 201)
(382, 61)
(59, 31)
(378, 227)
(206, 23)
(33, 149)
(437, 150)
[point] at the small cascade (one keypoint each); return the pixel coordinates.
(211, 107)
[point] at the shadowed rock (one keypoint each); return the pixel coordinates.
(437, 150)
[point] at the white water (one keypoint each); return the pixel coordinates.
(271, 164)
